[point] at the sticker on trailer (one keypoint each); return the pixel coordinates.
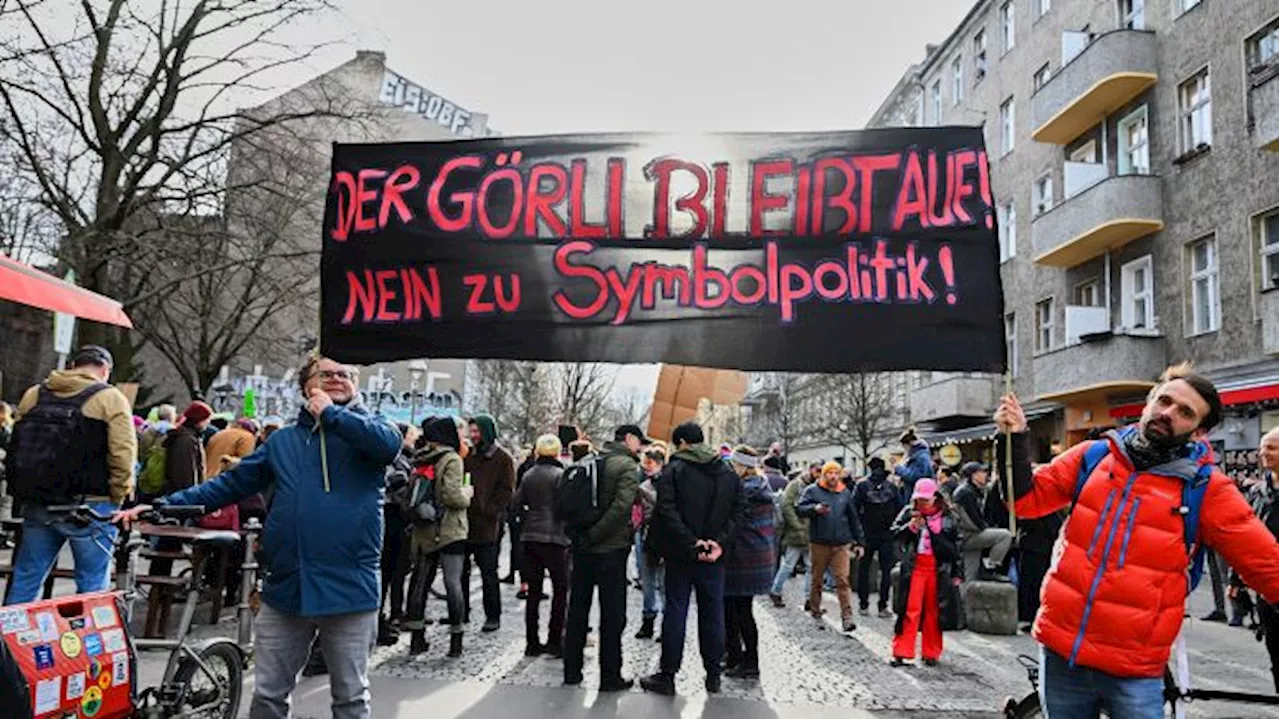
(92, 644)
(77, 623)
(14, 620)
(95, 668)
(30, 636)
(47, 625)
(48, 695)
(75, 686)
(104, 616)
(120, 669)
(91, 703)
(71, 644)
(44, 657)
(113, 641)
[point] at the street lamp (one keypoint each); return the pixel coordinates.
(417, 368)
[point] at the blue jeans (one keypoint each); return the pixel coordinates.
(790, 557)
(1078, 692)
(43, 535)
(651, 580)
(707, 581)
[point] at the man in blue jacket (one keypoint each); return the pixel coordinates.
(322, 544)
(916, 465)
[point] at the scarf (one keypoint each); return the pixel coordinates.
(933, 523)
(1145, 455)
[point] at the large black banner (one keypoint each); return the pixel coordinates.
(829, 252)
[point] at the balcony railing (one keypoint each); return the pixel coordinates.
(1109, 364)
(1110, 70)
(955, 396)
(1105, 215)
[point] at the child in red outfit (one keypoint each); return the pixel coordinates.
(927, 539)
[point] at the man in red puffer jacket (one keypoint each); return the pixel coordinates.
(1112, 603)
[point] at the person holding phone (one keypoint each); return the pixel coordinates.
(835, 534)
(928, 541)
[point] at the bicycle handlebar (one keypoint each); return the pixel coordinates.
(157, 514)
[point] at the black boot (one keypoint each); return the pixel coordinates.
(388, 635)
(418, 643)
(646, 628)
(455, 645)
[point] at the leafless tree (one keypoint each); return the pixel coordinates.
(121, 113)
(860, 411)
(582, 394)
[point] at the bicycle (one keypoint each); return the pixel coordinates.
(1174, 695)
(202, 678)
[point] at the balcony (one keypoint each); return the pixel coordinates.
(955, 396)
(1263, 115)
(1270, 321)
(1102, 216)
(1095, 81)
(1102, 365)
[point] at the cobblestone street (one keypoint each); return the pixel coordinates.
(805, 666)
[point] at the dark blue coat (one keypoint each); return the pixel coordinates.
(918, 465)
(322, 545)
(839, 526)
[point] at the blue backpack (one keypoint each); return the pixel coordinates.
(1192, 500)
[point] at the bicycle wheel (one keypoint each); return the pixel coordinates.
(1026, 708)
(201, 694)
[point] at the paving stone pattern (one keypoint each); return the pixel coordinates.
(803, 662)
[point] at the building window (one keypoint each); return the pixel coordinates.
(1137, 312)
(1042, 195)
(1041, 7)
(935, 101)
(1006, 127)
(1007, 215)
(1088, 152)
(1133, 14)
(1197, 112)
(1267, 234)
(979, 56)
(1088, 294)
(1041, 78)
(1011, 343)
(1202, 259)
(957, 80)
(1044, 325)
(1134, 153)
(1261, 47)
(1008, 25)
(1181, 6)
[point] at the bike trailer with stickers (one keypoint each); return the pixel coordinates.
(75, 654)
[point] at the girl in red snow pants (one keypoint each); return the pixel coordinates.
(922, 614)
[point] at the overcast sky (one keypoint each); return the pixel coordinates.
(556, 66)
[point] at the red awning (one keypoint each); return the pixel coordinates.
(1242, 395)
(29, 286)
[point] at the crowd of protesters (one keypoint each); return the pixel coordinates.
(722, 524)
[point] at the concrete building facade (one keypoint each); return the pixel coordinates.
(1132, 149)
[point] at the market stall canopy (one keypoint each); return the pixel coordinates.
(29, 286)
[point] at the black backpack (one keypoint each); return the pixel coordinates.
(57, 454)
(424, 507)
(578, 502)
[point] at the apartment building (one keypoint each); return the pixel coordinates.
(1133, 154)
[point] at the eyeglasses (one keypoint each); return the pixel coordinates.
(341, 374)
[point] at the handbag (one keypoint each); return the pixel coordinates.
(226, 518)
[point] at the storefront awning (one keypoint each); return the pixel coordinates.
(978, 433)
(1266, 390)
(29, 286)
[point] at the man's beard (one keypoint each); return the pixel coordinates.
(1165, 439)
